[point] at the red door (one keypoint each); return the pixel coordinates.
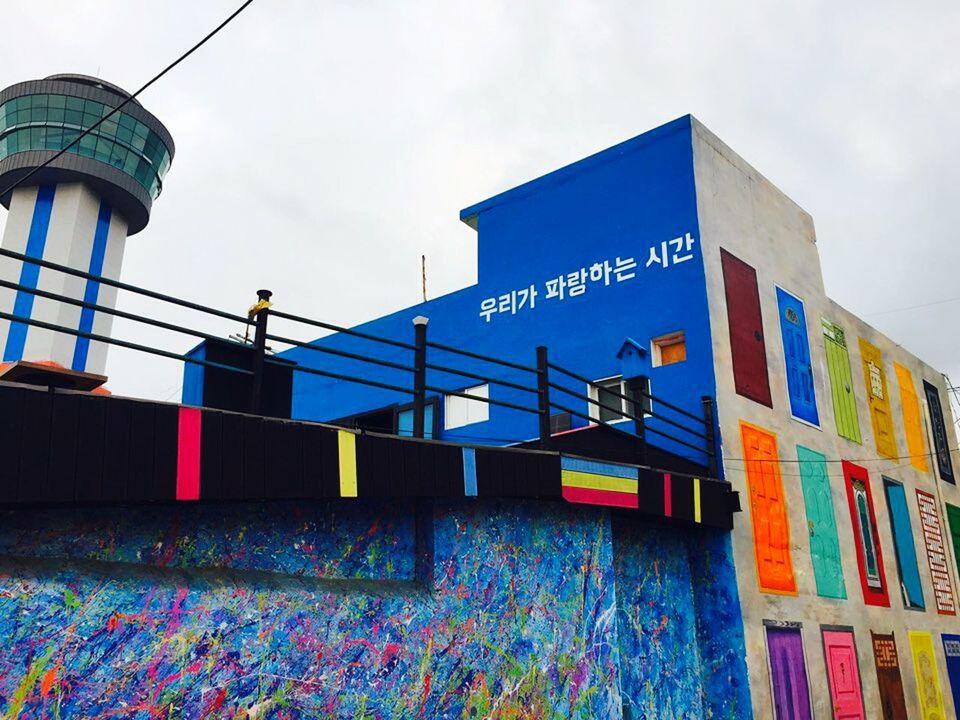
(747, 348)
(843, 672)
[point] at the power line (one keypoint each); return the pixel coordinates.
(913, 307)
(119, 107)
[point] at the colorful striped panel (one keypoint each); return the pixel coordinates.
(597, 483)
(188, 453)
(667, 495)
(347, 446)
(696, 500)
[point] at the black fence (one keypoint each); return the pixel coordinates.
(546, 392)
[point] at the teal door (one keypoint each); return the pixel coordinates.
(903, 542)
(821, 524)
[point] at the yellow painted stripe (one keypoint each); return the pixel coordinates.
(572, 478)
(347, 445)
(696, 499)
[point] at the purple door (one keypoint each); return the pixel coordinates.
(788, 674)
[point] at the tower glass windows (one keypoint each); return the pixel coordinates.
(51, 122)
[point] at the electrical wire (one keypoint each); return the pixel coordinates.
(129, 99)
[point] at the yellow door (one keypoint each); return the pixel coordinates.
(876, 382)
(928, 679)
(912, 425)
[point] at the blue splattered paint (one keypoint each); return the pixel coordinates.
(341, 610)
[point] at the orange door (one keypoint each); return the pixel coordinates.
(768, 511)
(912, 424)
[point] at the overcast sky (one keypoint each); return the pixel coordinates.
(323, 146)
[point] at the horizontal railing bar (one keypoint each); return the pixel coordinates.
(669, 421)
(340, 353)
(120, 343)
(484, 378)
(108, 310)
(628, 416)
(122, 286)
(489, 401)
(647, 395)
(338, 376)
(478, 356)
(337, 328)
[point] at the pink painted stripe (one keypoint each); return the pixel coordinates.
(667, 496)
(611, 498)
(188, 454)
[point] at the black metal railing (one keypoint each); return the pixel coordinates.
(651, 415)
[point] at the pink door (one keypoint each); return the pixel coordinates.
(844, 674)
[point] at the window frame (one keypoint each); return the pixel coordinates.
(658, 343)
(447, 399)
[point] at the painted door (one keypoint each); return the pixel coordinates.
(873, 580)
(843, 672)
(936, 553)
(821, 524)
(875, 378)
(912, 424)
(951, 649)
(903, 542)
(747, 348)
(928, 678)
(953, 519)
(889, 680)
(768, 511)
(796, 355)
(939, 432)
(788, 674)
(841, 382)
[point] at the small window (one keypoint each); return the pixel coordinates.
(458, 411)
(615, 400)
(669, 349)
(868, 539)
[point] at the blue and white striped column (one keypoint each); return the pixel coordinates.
(70, 225)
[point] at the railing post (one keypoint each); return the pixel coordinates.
(637, 386)
(543, 396)
(419, 374)
(711, 436)
(259, 313)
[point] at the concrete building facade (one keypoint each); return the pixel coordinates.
(840, 441)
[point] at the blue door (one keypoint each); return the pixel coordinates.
(903, 541)
(796, 353)
(951, 648)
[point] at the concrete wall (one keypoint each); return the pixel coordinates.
(361, 610)
(742, 212)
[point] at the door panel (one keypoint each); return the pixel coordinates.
(873, 580)
(912, 424)
(928, 678)
(936, 553)
(796, 354)
(940, 442)
(903, 542)
(889, 679)
(768, 511)
(749, 353)
(875, 378)
(843, 673)
(821, 524)
(841, 382)
(951, 648)
(788, 674)
(953, 519)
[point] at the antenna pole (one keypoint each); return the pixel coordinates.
(423, 275)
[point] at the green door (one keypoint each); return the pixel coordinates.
(953, 518)
(841, 382)
(821, 524)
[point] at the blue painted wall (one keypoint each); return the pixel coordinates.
(360, 610)
(622, 202)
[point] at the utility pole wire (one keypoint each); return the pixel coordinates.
(119, 107)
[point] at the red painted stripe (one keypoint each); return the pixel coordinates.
(188, 454)
(612, 498)
(667, 496)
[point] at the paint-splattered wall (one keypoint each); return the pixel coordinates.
(355, 610)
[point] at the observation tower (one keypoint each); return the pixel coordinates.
(77, 211)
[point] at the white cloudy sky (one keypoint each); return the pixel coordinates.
(323, 146)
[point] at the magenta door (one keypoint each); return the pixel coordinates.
(843, 672)
(788, 674)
